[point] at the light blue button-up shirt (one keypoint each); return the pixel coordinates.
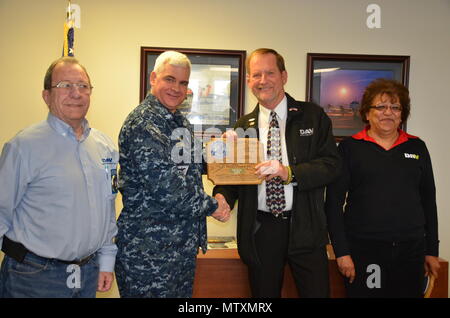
(57, 196)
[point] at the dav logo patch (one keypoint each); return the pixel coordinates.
(306, 132)
(411, 156)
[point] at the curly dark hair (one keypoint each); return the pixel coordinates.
(381, 86)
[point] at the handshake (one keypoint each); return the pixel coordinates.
(222, 213)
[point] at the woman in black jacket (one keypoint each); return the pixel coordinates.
(381, 212)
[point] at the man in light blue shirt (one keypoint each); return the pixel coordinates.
(57, 204)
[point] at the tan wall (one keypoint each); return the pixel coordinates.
(112, 31)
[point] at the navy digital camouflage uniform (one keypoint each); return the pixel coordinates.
(163, 220)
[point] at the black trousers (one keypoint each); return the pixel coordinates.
(309, 269)
(387, 269)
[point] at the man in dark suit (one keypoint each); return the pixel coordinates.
(283, 220)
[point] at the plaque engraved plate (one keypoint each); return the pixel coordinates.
(232, 161)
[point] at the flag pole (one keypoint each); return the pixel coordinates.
(68, 32)
(69, 12)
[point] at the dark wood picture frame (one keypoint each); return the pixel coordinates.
(204, 106)
(336, 83)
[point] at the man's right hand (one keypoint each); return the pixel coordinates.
(222, 213)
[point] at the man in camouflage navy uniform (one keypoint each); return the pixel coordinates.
(163, 220)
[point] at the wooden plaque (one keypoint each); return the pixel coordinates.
(233, 161)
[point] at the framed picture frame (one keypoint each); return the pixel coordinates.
(215, 97)
(336, 82)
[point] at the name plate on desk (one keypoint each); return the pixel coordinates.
(233, 161)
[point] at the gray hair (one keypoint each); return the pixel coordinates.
(173, 58)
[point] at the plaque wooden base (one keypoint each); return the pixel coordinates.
(233, 161)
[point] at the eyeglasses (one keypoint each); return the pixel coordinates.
(382, 108)
(84, 88)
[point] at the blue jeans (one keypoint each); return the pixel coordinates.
(40, 277)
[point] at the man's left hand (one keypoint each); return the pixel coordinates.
(105, 280)
(271, 169)
(432, 265)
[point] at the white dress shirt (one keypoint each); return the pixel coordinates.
(263, 123)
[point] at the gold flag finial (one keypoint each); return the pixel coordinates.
(69, 11)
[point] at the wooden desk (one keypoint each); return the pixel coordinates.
(221, 274)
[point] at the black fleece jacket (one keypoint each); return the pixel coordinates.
(389, 195)
(314, 161)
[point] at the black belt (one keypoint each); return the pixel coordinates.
(18, 252)
(284, 215)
